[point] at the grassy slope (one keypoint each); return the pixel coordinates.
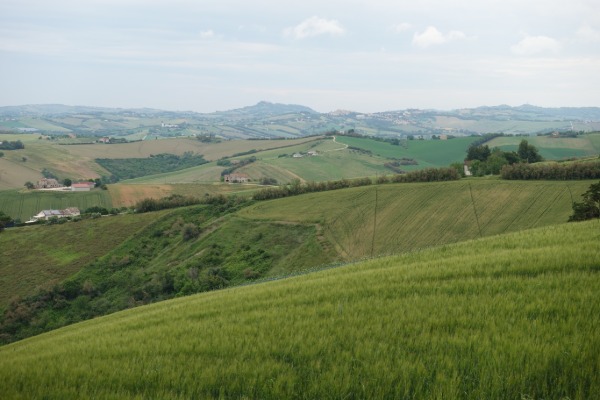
(512, 316)
(412, 216)
(554, 148)
(26, 203)
(39, 255)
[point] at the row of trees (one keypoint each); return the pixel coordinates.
(552, 171)
(484, 161)
(16, 145)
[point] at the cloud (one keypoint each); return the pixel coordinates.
(588, 34)
(536, 44)
(315, 26)
(207, 34)
(399, 28)
(431, 36)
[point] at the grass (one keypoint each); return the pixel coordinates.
(512, 316)
(429, 153)
(553, 148)
(24, 204)
(42, 255)
(389, 219)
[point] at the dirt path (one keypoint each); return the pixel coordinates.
(341, 148)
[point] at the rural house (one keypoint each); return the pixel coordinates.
(48, 183)
(236, 178)
(82, 186)
(47, 214)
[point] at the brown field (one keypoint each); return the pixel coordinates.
(210, 151)
(13, 175)
(127, 195)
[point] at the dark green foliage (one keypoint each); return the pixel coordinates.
(46, 173)
(1, 154)
(128, 168)
(236, 164)
(268, 181)
(96, 210)
(29, 185)
(67, 182)
(190, 231)
(481, 152)
(5, 221)
(16, 145)
(552, 171)
(528, 153)
(589, 208)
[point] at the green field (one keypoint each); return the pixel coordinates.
(389, 219)
(24, 204)
(429, 153)
(553, 148)
(44, 255)
(506, 317)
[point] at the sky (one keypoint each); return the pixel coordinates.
(364, 56)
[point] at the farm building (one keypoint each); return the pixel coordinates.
(48, 183)
(236, 178)
(47, 214)
(82, 186)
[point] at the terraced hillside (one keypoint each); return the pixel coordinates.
(512, 316)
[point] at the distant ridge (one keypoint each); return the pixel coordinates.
(276, 120)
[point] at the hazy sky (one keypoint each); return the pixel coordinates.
(366, 56)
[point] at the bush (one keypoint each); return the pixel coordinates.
(190, 231)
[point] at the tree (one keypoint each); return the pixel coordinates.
(29, 185)
(528, 153)
(480, 153)
(5, 221)
(1, 154)
(589, 208)
(67, 182)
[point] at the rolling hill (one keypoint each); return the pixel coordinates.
(270, 120)
(236, 243)
(510, 316)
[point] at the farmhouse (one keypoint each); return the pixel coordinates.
(47, 214)
(82, 186)
(48, 183)
(236, 178)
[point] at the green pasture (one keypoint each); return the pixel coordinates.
(394, 218)
(43, 255)
(429, 153)
(24, 204)
(553, 148)
(507, 317)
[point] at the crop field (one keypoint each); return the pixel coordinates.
(48, 254)
(429, 153)
(388, 219)
(14, 174)
(127, 195)
(24, 204)
(507, 317)
(554, 148)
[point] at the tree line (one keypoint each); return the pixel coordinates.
(552, 171)
(16, 145)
